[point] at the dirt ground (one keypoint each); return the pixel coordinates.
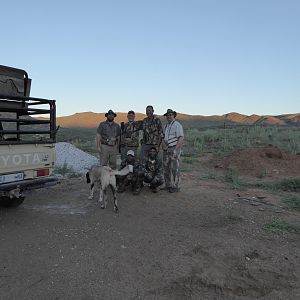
(206, 242)
(269, 162)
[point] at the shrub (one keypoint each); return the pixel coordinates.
(232, 176)
(289, 185)
(278, 226)
(293, 202)
(65, 170)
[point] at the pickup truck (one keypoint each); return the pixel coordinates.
(27, 138)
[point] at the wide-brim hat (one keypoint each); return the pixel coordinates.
(110, 112)
(170, 111)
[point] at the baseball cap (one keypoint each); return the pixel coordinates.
(130, 152)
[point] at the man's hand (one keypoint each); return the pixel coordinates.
(98, 142)
(176, 153)
(130, 168)
(99, 149)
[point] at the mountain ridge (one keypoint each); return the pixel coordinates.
(92, 119)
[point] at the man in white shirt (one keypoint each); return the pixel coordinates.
(172, 143)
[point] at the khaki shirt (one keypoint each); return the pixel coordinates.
(109, 133)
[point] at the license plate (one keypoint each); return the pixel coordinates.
(11, 177)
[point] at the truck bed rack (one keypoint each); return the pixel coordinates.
(19, 122)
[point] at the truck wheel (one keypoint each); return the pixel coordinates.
(11, 202)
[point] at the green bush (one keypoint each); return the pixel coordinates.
(199, 139)
(65, 170)
(225, 140)
(293, 202)
(232, 176)
(210, 175)
(289, 185)
(278, 226)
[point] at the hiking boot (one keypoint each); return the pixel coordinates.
(137, 191)
(165, 188)
(121, 189)
(154, 189)
(173, 190)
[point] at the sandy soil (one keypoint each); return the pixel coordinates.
(206, 242)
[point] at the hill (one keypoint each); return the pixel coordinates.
(91, 119)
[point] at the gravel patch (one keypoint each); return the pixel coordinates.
(75, 159)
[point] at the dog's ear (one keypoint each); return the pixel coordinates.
(87, 175)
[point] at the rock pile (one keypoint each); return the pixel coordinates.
(74, 158)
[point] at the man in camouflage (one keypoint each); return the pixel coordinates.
(152, 132)
(130, 135)
(107, 139)
(152, 170)
(134, 178)
(172, 143)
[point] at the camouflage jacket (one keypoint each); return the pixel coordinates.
(152, 131)
(130, 134)
(154, 167)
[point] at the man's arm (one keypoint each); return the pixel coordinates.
(98, 142)
(160, 134)
(179, 143)
(123, 164)
(118, 137)
(139, 125)
(179, 133)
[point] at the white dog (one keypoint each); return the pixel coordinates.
(105, 177)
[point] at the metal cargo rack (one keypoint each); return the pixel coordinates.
(19, 123)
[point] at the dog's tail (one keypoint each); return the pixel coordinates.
(122, 172)
(88, 179)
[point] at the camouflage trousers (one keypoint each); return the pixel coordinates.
(133, 179)
(171, 164)
(108, 156)
(154, 180)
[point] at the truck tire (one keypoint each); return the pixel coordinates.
(11, 202)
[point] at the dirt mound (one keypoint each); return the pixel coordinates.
(269, 161)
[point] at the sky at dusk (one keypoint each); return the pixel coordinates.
(194, 56)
